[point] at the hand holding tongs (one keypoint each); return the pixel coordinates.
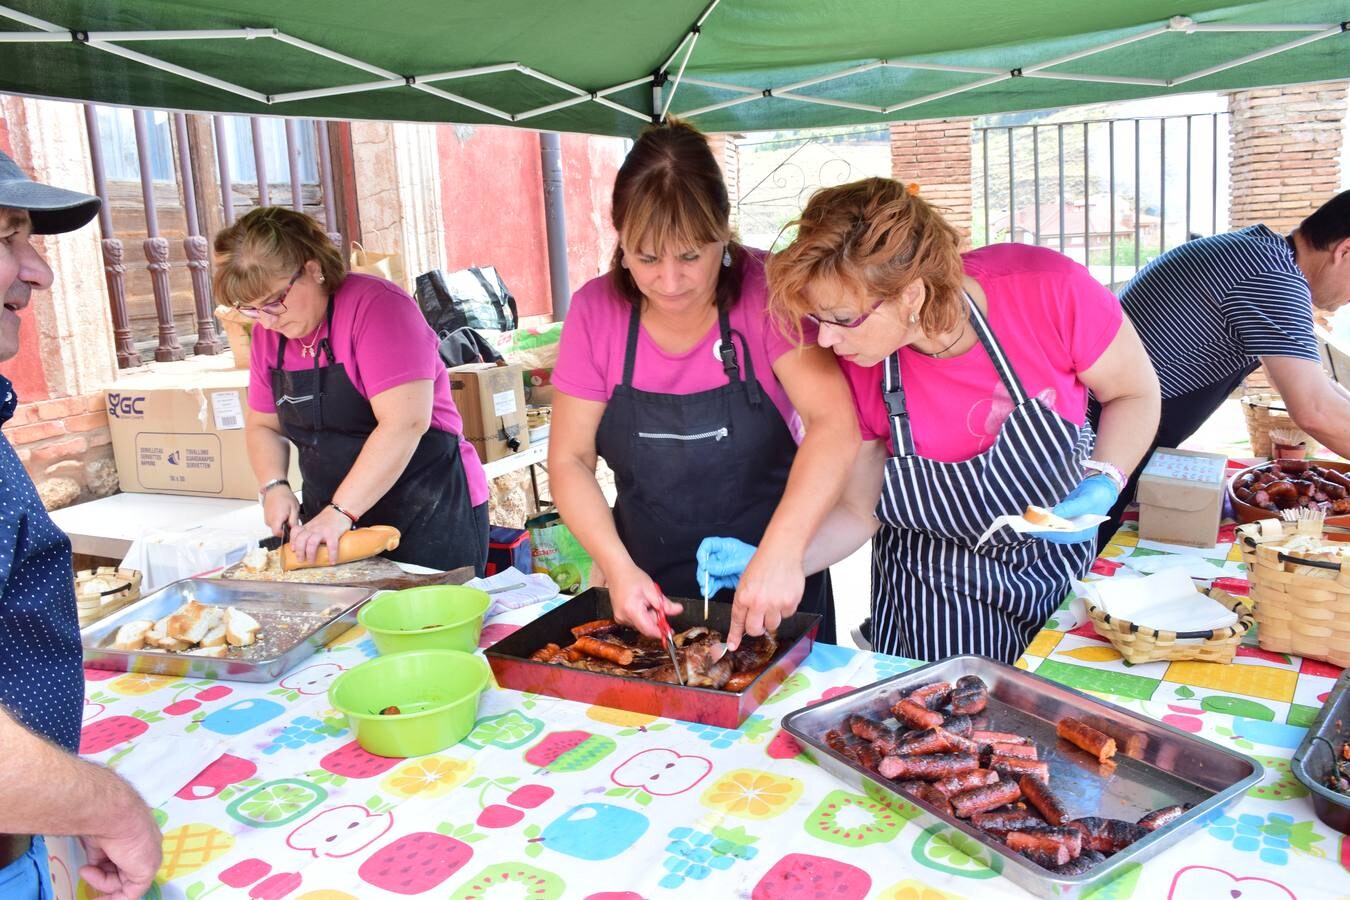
(668, 635)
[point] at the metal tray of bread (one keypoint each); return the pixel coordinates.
(296, 621)
(1156, 765)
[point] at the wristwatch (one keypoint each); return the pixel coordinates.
(1107, 469)
(262, 491)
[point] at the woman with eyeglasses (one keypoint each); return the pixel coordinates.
(971, 373)
(670, 370)
(345, 367)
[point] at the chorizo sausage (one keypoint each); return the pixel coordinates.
(594, 628)
(1046, 838)
(934, 740)
(590, 646)
(970, 696)
(1291, 466)
(1025, 751)
(931, 695)
(1160, 817)
(998, 737)
(1085, 737)
(1336, 477)
(915, 715)
(1108, 835)
(962, 726)
(1016, 767)
(865, 728)
(1080, 864)
(1002, 821)
(985, 798)
(546, 653)
(959, 784)
(1043, 800)
(929, 768)
(1332, 490)
(1282, 494)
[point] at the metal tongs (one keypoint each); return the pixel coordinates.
(668, 635)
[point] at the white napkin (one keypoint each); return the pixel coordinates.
(1021, 525)
(1165, 600)
(511, 589)
(164, 556)
(1195, 566)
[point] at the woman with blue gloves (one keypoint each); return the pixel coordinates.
(970, 374)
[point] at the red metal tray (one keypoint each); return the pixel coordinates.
(511, 664)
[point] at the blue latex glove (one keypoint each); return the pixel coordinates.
(1094, 495)
(721, 562)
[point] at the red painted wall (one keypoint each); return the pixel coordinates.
(493, 202)
(25, 369)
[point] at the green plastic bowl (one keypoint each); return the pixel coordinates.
(436, 692)
(435, 617)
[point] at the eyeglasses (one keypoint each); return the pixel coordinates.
(851, 323)
(275, 307)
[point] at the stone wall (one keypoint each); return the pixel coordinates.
(1285, 152)
(66, 447)
(935, 155)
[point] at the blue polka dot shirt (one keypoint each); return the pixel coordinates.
(41, 668)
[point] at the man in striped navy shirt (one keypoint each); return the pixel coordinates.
(1212, 310)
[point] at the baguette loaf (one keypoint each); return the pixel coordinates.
(359, 543)
(1039, 515)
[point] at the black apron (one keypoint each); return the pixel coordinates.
(933, 594)
(690, 466)
(326, 417)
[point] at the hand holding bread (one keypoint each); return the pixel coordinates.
(358, 543)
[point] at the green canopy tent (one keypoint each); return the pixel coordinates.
(608, 67)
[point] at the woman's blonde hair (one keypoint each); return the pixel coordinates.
(877, 237)
(268, 243)
(669, 196)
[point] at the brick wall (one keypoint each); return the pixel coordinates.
(1285, 153)
(724, 150)
(936, 156)
(66, 447)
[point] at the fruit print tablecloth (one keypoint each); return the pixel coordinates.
(262, 794)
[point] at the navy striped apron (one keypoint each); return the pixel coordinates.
(933, 594)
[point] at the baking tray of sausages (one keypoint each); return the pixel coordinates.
(513, 667)
(1155, 767)
(297, 620)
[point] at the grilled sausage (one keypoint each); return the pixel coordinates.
(1052, 861)
(1043, 800)
(1046, 839)
(970, 696)
(1081, 863)
(959, 725)
(1000, 822)
(931, 695)
(998, 737)
(545, 653)
(915, 715)
(865, 728)
(934, 740)
(1160, 817)
(929, 768)
(1107, 835)
(1016, 767)
(1025, 751)
(1084, 736)
(985, 798)
(959, 784)
(622, 656)
(594, 628)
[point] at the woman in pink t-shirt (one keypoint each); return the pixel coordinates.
(345, 367)
(671, 371)
(971, 375)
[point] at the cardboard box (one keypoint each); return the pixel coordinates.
(1181, 497)
(182, 432)
(491, 401)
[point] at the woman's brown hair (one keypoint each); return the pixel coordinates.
(669, 196)
(269, 243)
(877, 236)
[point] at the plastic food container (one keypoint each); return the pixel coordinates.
(1314, 758)
(411, 704)
(435, 617)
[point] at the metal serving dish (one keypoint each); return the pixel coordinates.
(297, 620)
(511, 663)
(1314, 758)
(1156, 765)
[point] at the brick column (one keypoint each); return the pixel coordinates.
(1285, 152)
(935, 155)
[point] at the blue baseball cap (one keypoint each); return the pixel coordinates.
(53, 210)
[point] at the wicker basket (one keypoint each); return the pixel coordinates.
(1266, 413)
(1302, 605)
(1141, 644)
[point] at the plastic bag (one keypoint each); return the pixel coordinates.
(536, 351)
(476, 297)
(557, 553)
(464, 345)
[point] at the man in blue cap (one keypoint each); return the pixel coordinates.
(45, 788)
